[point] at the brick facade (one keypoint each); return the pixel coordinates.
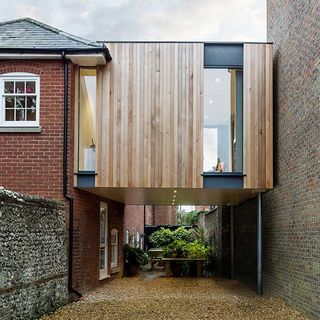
(133, 222)
(292, 210)
(32, 163)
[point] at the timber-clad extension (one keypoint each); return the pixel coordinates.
(150, 116)
(150, 126)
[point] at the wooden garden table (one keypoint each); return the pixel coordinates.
(168, 261)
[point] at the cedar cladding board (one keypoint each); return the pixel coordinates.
(149, 127)
(33, 256)
(291, 267)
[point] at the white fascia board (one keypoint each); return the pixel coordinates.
(79, 59)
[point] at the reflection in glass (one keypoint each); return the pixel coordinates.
(87, 120)
(222, 102)
(102, 227)
(102, 258)
(9, 87)
(20, 87)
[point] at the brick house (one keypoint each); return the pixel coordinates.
(112, 128)
(36, 63)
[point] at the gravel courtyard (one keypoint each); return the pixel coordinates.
(151, 297)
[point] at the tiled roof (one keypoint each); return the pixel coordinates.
(27, 33)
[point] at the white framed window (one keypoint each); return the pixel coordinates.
(127, 237)
(20, 100)
(103, 241)
(114, 248)
(138, 239)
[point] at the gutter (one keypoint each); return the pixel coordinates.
(65, 175)
(55, 52)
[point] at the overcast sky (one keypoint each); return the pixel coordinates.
(215, 20)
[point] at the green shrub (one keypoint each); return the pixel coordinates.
(182, 249)
(183, 234)
(164, 236)
(134, 256)
(199, 234)
(197, 250)
(161, 238)
(176, 249)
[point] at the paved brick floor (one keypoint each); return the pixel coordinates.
(151, 297)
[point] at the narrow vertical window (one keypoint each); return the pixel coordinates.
(138, 239)
(127, 237)
(222, 132)
(103, 241)
(114, 248)
(87, 119)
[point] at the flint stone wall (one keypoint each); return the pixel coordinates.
(33, 256)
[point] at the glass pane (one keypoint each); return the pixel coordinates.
(20, 114)
(31, 102)
(31, 115)
(210, 144)
(113, 254)
(9, 115)
(102, 227)
(20, 87)
(30, 87)
(20, 102)
(87, 119)
(9, 102)
(8, 87)
(102, 258)
(217, 120)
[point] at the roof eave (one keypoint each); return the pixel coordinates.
(50, 52)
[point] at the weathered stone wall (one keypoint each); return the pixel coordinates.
(217, 232)
(33, 256)
(291, 257)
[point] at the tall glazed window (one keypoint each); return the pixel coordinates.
(103, 241)
(87, 119)
(222, 132)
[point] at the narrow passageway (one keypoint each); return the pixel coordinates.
(150, 296)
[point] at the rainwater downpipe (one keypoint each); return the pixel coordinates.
(65, 175)
(259, 245)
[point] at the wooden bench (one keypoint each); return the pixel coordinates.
(155, 255)
(168, 261)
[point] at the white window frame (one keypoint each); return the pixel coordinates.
(19, 76)
(114, 244)
(104, 273)
(127, 238)
(138, 239)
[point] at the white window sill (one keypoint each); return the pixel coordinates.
(20, 129)
(115, 270)
(104, 277)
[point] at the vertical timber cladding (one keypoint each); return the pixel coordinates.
(258, 116)
(150, 107)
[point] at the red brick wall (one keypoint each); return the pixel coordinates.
(33, 163)
(86, 239)
(133, 220)
(165, 215)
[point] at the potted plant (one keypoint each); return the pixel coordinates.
(135, 258)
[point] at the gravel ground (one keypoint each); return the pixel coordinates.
(151, 297)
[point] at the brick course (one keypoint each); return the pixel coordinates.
(292, 210)
(133, 221)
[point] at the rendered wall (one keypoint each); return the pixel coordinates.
(33, 256)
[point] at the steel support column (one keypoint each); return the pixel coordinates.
(259, 245)
(232, 240)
